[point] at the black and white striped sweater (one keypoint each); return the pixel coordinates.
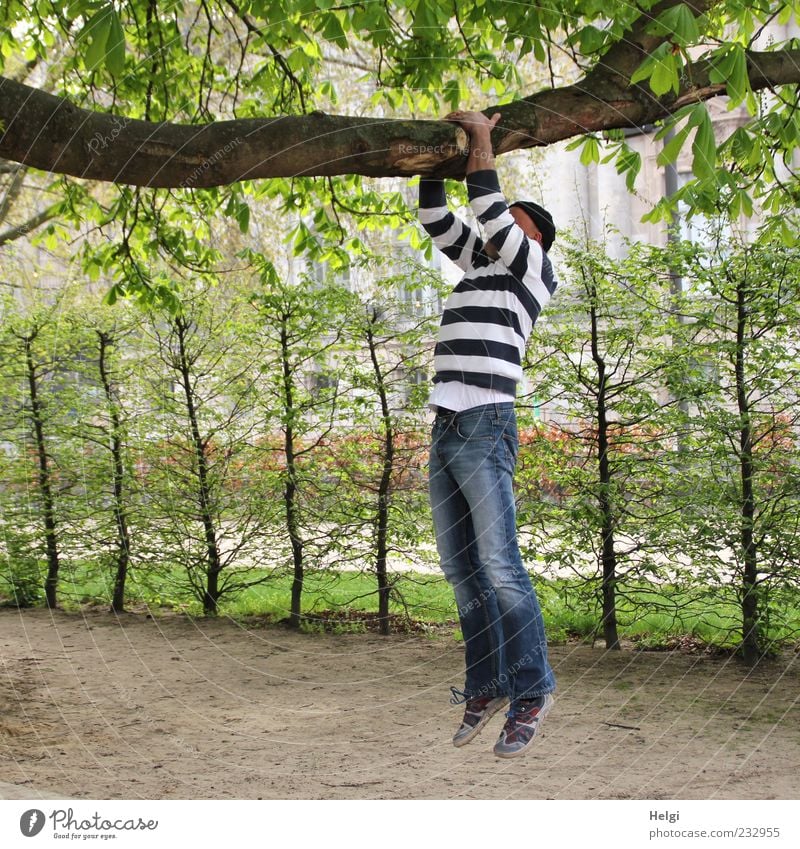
(489, 315)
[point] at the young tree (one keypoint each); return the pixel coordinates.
(106, 341)
(104, 384)
(98, 516)
(742, 305)
(379, 464)
(39, 349)
(601, 358)
(34, 370)
(202, 422)
(300, 325)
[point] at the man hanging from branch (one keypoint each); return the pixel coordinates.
(486, 323)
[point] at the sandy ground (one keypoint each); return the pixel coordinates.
(102, 707)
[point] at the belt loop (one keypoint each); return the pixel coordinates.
(446, 419)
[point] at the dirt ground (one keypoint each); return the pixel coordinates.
(104, 707)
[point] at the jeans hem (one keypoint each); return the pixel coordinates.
(480, 694)
(535, 695)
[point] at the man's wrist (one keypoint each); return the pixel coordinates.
(481, 133)
(481, 154)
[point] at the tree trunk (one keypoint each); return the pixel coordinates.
(213, 562)
(45, 476)
(750, 609)
(120, 513)
(384, 488)
(290, 486)
(605, 501)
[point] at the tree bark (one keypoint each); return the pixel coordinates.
(120, 513)
(213, 562)
(290, 486)
(609, 554)
(750, 649)
(384, 487)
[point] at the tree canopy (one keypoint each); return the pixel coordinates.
(183, 93)
(317, 95)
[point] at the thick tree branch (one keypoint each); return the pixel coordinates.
(765, 71)
(50, 133)
(600, 102)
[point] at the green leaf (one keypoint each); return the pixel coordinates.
(747, 23)
(93, 269)
(332, 31)
(664, 211)
(297, 60)
(644, 71)
(629, 162)
(673, 147)
(115, 46)
(79, 7)
(676, 118)
(661, 67)
(665, 75)
(97, 29)
(451, 94)
(788, 235)
(243, 217)
(679, 23)
(591, 151)
(785, 15)
(704, 148)
(114, 293)
(730, 67)
(741, 203)
(740, 144)
(590, 39)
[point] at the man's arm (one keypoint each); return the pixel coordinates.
(454, 237)
(523, 256)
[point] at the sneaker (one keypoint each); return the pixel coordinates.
(522, 725)
(479, 710)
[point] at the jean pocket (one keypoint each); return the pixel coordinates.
(472, 429)
(511, 448)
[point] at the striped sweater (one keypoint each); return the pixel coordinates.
(489, 315)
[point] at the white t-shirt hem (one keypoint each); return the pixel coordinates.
(457, 396)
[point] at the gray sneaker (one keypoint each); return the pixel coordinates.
(522, 725)
(479, 710)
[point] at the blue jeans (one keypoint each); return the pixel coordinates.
(472, 462)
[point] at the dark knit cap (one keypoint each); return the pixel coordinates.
(541, 218)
